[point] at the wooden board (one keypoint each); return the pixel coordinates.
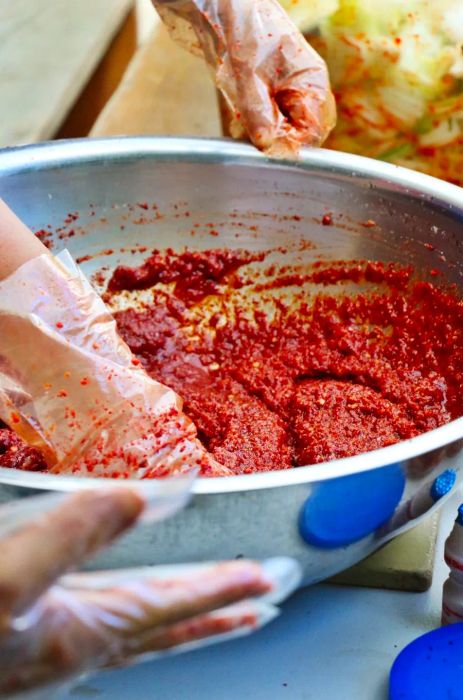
(48, 51)
(164, 91)
(406, 563)
(168, 92)
(102, 83)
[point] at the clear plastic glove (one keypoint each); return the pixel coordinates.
(54, 627)
(70, 386)
(276, 86)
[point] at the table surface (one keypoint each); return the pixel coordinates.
(48, 51)
(330, 642)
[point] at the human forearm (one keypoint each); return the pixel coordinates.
(17, 243)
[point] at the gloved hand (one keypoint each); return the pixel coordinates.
(71, 387)
(276, 85)
(54, 628)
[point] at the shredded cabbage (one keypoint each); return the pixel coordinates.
(397, 71)
(307, 14)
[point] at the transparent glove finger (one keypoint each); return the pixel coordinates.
(37, 553)
(217, 626)
(140, 602)
(283, 573)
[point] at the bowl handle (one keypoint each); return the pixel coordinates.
(344, 510)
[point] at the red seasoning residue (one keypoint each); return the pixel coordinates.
(327, 220)
(195, 274)
(45, 237)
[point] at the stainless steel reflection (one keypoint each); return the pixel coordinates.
(253, 515)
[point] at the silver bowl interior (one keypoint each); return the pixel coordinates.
(204, 181)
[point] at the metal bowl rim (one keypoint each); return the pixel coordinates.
(73, 151)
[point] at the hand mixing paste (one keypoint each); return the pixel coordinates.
(283, 365)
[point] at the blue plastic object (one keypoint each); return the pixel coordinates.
(459, 519)
(344, 510)
(430, 668)
(443, 484)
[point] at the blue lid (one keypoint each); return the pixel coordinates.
(443, 484)
(344, 510)
(459, 519)
(431, 667)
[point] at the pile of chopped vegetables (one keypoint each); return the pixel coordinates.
(397, 71)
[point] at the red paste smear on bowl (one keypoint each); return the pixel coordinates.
(368, 357)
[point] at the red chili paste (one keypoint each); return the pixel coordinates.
(15, 453)
(366, 358)
(282, 365)
(196, 275)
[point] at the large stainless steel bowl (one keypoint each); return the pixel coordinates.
(340, 505)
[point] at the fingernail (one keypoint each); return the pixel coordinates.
(265, 612)
(285, 575)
